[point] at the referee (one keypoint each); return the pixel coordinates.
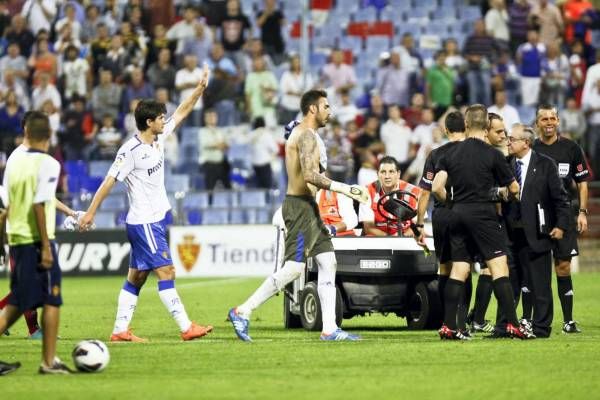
(441, 215)
(474, 168)
(574, 172)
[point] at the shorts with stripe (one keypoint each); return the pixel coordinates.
(306, 233)
(149, 246)
(32, 286)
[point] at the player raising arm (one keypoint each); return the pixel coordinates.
(140, 165)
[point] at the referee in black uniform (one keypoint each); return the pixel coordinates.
(441, 215)
(474, 168)
(573, 170)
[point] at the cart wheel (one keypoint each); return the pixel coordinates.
(310, 308)
(419, 307)
(290, 320)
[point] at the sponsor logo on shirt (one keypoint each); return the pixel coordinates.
(155, 168)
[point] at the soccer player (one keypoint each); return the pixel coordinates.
(573, 170)
(31, 316)
(474, 168)
(374, 223)
(306, 234)
(30, 179)
(7, 368)
(140, 164)
(441, 216)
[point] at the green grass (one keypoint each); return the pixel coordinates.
(390, 362)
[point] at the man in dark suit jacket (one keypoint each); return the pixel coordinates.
(541, 216)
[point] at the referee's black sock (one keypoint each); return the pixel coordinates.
(504, 294)
(527, 303)
(442, 280)
(565, 294)
(483, 295)
(452, 296)
(463, 305)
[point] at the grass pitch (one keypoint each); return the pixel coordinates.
(391, 362)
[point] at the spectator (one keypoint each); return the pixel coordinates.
(235, 26)
(45, 91)
(458, 64)
(116, 59)
(106, 97)
(10, 84)
(339, 153)
(214, 11)
(134, 44)
(422, 136)
(40, 14)
(409, 56)
(591, 77)
(89, 30)
(591, 106)
(11, 114)
(367, 172)
(368, 141)
(531, 56)
(201, 43)
(549, 19)
(479, 51)
(184, 29)
(263, 151)
(4, 17)
(99, 47)
(555, 77)
(54, 118)
(162, 96)
(396, 137)
(412, 115)
(254, 48)
(77, 138)
(346, 111)
(393, 82)
(42, 61)
(496, 23)
(129, 120)
(69, 19)
(573, 123)
(65, 39)
(578, 70)
(159, 42)
(574, 15)
(376, 107)
(440, 81)
(108, 139)
(261, 92)
(111, 15)
(19, 33)
(162, 73)
(76, 74)
(218, 60)
(293, 84)
(337, 75)
(518, 17)
(213, 147)
(505, 77)
(221, 94)
(509, 114)
(271, 20)
(13, 62)
(186, 80)
(138, 88)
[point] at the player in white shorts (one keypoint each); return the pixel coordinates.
(140, 165)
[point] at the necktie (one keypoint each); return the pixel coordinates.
(518, 172)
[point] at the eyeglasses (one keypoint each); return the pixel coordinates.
(512, 139)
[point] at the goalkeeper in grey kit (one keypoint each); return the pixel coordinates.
(306, 233)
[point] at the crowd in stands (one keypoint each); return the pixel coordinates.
(392, 68)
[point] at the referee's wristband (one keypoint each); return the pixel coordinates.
(583, 210)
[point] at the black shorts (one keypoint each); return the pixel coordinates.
(441, 219)
(31, 286)
(477, 231)
(567, 248)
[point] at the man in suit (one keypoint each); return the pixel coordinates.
(540, 217)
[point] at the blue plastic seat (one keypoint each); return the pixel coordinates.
(194, 217)
(253, 198)
(99, 168)
(195, 200)
(215, 217)
(105, 220)
(237, 216)
(177, 183)
(224, 199)
(114, 202)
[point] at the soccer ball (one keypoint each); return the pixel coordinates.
(90, 356)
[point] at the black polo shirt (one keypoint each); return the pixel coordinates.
(429, 169)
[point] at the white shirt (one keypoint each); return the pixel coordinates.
(37, 19)
(366, 176)
(509, 115)
(76, 76)
(142, 167)
(345, 209)
(291, 82)
(592, 75)
(496, 23)
(592, 100)
(396, 138)
(4, 196)
(185, 76)
(264, 147)
(40, 95)
(525, 160)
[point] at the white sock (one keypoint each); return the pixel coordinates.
(273, 284)
(168, 295)
(326, 289)
(128, 297)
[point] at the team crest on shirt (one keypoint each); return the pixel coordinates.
(563, 169)
(189, 251)
(119, 160)
(55, 290)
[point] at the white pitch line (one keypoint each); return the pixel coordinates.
(217, 282)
